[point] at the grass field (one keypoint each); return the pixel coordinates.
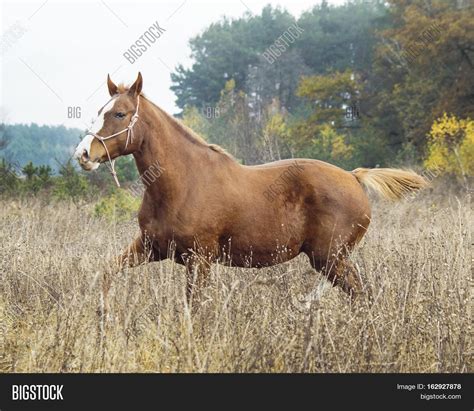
(415, 260)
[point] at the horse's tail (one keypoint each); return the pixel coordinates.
(390, 183)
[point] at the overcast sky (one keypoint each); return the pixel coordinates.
(56, 54)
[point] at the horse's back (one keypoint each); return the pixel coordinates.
(315, 179)
(330, 198)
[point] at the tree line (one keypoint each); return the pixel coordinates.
(364, 84)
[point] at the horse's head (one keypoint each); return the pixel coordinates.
(114, 132)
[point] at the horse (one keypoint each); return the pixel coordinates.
(210, 208)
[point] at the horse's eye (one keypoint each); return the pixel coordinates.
(119, 115)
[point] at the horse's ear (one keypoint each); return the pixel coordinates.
(113, 89)
(136, 87)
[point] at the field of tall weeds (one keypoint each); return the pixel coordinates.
(415, 262)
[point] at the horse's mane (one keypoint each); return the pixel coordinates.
(185, 130)
(189, 133)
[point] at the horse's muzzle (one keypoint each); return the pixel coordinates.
(86, 163)
(82, 154)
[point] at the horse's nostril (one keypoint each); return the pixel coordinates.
(85, 155)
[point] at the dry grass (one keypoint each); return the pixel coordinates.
(416, 260)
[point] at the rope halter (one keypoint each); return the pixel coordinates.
(128, 129)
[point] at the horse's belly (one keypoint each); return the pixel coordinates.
(244, 253)
(256, 260)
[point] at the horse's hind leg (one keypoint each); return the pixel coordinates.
(344, 275)
(340, 272)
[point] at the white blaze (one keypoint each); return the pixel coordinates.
(96, 126)
(84, 145)
(98, 123)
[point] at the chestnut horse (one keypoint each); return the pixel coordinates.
(209, 208)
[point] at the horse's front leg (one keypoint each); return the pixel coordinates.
(140, 251)
(197, 278)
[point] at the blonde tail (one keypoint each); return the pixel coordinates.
(390, 183)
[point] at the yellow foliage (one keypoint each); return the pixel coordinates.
(193, 119)
(327, 87)
(275, 126)
(451, 146)
(229, 86)
(334, 144)
(120, 205)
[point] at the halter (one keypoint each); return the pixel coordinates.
(128, 129)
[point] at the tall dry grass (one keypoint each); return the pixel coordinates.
(415, 260)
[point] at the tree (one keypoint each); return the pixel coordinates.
(279, 80)
(30, 171)
(224, 51)
(32, 183)
(197, 121)
(4, 138)
(320, 134)
(274, 133)
(451, 146)
(45, 176)
(70, 183)
(126, 169)
(422, 67)
(9, 180)
(337, 38)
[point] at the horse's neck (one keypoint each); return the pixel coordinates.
(164, 146)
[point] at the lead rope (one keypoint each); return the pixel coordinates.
(130, 135)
